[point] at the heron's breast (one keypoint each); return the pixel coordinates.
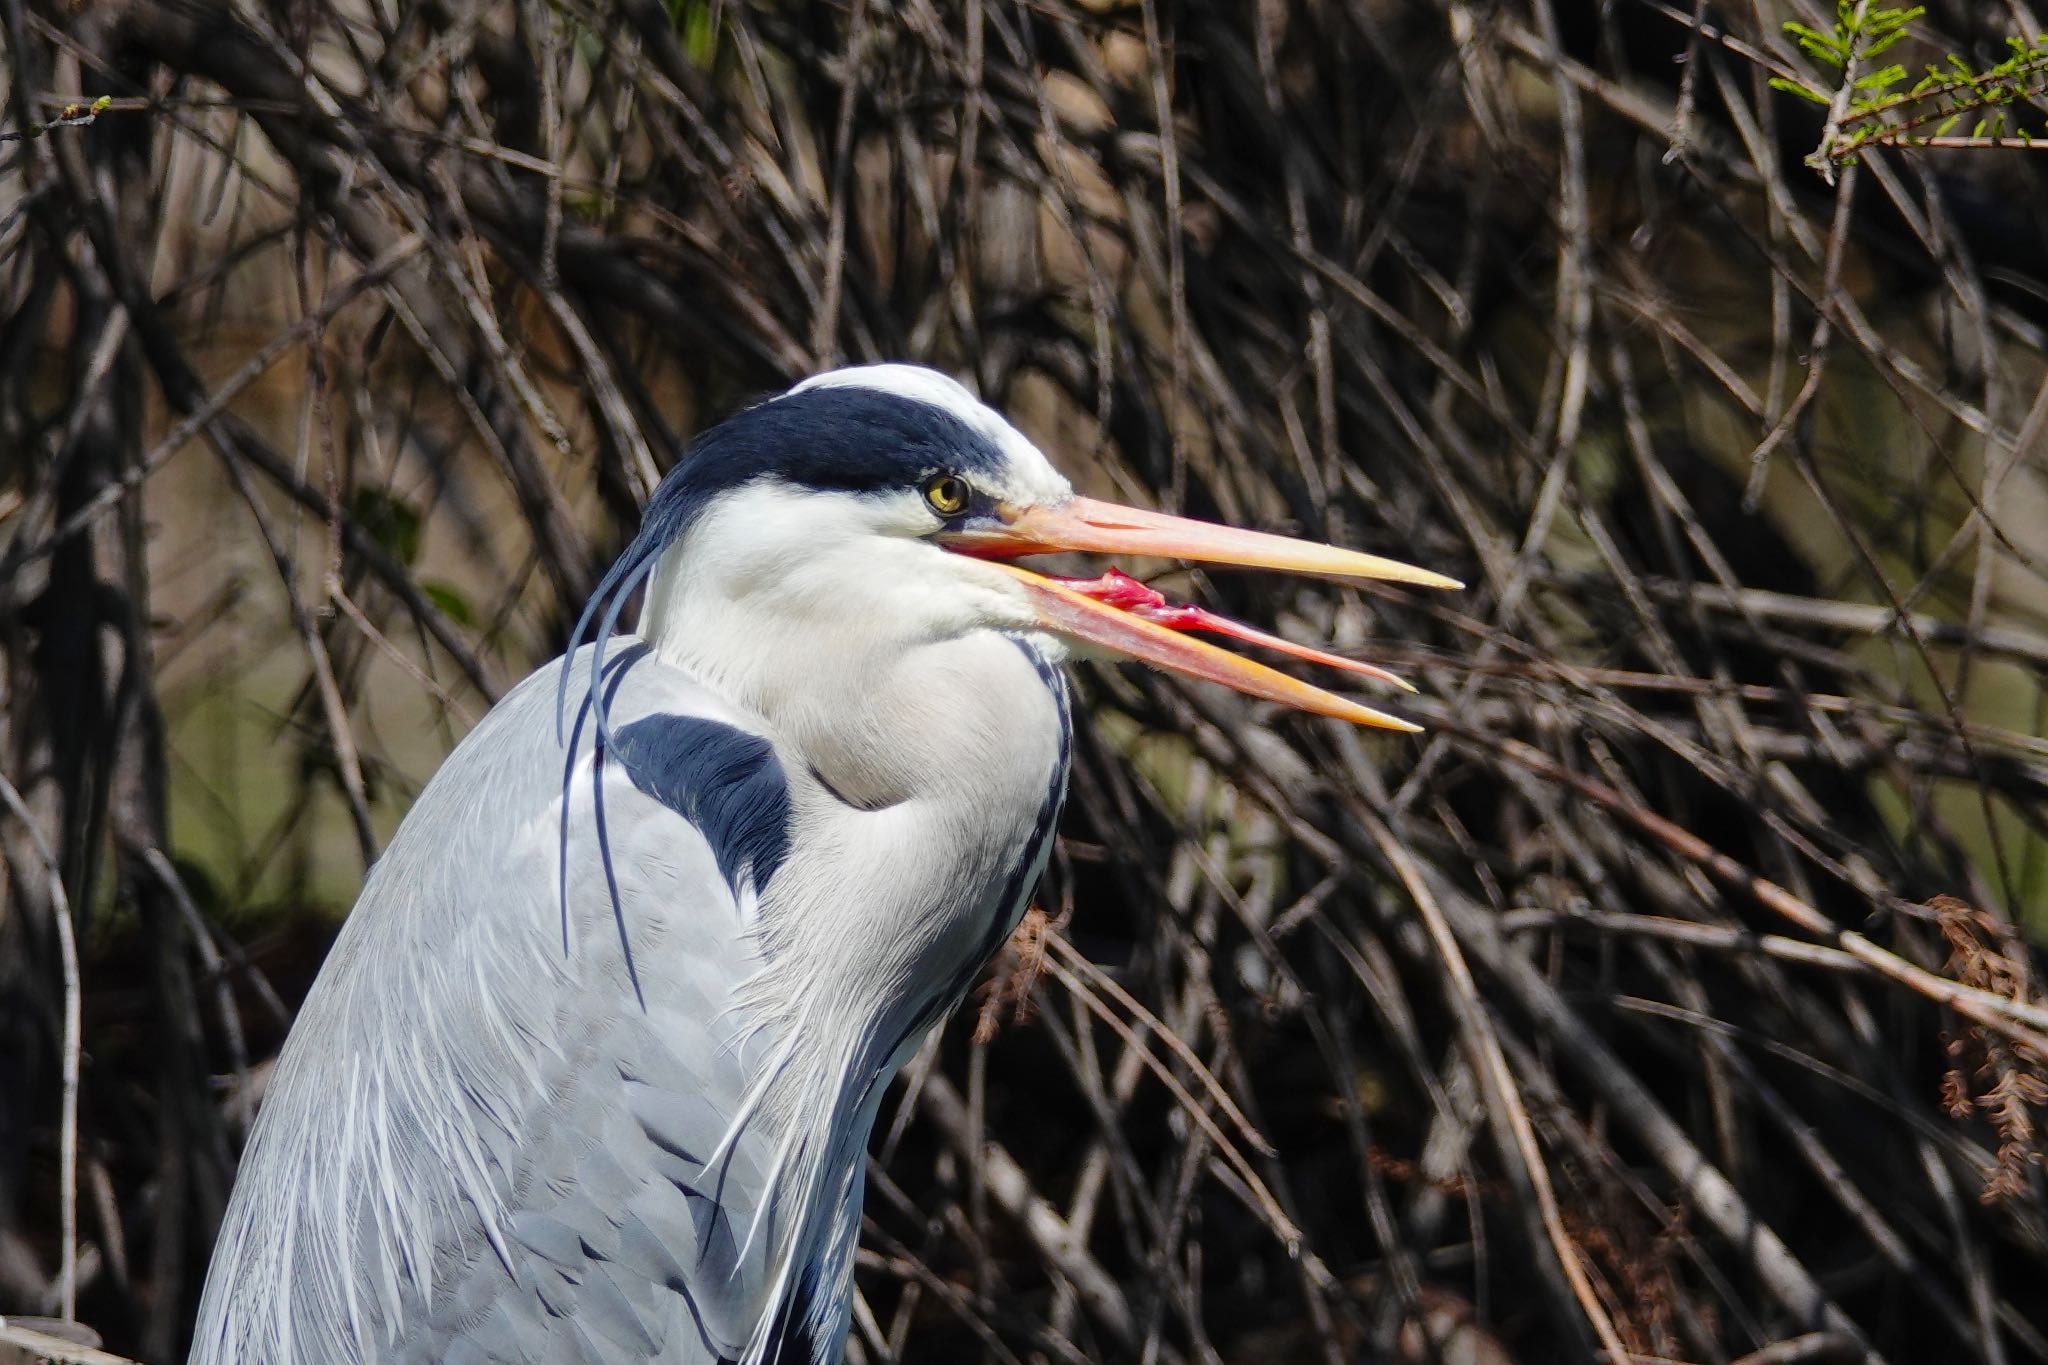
(1012, 894)
(1026, 786)
(926, 887)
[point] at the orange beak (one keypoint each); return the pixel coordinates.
(1117, 613)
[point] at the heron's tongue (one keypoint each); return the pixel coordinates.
(1115, 588)
(1117, 612)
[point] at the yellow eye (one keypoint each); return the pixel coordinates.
(946, 494)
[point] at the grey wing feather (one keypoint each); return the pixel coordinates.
(478, 1148)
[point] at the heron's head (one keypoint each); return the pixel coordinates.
(882, 507)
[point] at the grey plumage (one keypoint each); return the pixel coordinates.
(501, 1155)
(590, 1071)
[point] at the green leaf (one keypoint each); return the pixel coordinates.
(1825, 48)
(700, 34)
(449, 601)
(1805, 92)
(391, 521)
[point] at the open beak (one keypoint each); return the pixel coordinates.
(1118, 613)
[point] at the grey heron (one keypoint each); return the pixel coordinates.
(590, 1071)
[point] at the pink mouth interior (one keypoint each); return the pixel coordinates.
(1118, 589)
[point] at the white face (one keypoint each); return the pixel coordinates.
(783, 566)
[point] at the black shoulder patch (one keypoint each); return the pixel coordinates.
(726, 782)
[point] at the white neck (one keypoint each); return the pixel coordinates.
(877, 659)
(924, 753)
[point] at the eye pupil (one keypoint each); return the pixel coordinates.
(946, 494)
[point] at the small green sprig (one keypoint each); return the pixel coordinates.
(73, 115)
(1955, 103)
